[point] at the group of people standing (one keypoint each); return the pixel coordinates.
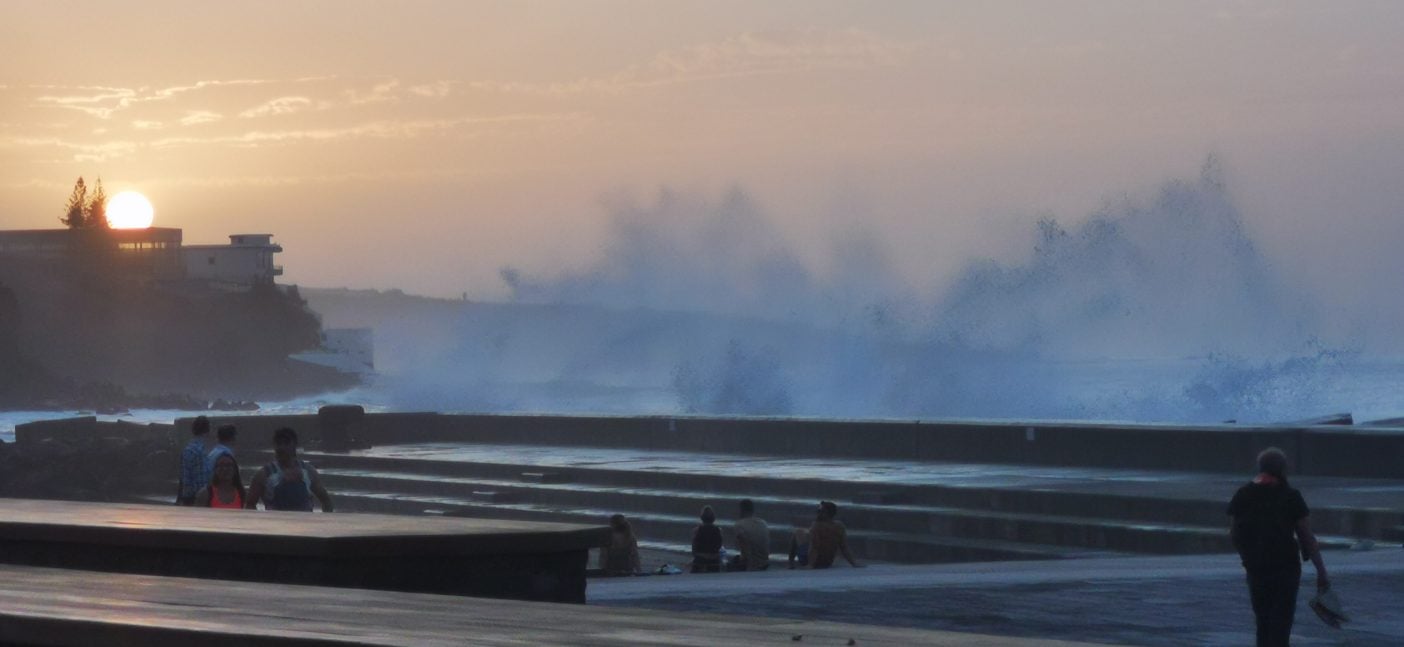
(210, 477)
(814, 546)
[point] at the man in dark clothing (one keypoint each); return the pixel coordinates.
(1269, 521)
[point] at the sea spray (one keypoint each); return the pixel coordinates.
(1164, 310)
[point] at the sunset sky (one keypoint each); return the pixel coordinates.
(425, 145)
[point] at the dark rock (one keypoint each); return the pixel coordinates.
(337, 426)
(1331, 419)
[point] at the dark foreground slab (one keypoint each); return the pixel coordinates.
(63, 607)
(509, 559)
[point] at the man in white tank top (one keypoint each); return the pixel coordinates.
(287, 483)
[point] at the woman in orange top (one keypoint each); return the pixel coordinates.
(226, 489)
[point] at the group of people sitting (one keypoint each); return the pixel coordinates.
(210, 478)
(814, 546)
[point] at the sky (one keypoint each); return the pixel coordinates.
(426, 145)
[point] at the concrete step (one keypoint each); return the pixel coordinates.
(1081, 532)
(1364, 523)
(677, 530)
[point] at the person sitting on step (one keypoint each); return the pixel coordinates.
(707, 544)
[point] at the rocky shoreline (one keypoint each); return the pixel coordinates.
(36, 390)
(115, 462)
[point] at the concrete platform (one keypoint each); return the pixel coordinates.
(1327, 450)
(512, 559)
(1153, 601)
(62, 607)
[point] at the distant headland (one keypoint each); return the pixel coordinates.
(102, 318)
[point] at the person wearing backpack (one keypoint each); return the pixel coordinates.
(287, 483)
(1270, 531)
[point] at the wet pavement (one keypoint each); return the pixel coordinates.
(1158, 601)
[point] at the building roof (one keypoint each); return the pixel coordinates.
(65, 236)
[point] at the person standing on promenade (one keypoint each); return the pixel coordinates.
(828, 538)
(287, 483)
(224, 444)
(752, 539)
(707, 543)
(194, 469)
(226, 488)
(1270, 530)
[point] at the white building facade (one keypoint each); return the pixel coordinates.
(246, 260)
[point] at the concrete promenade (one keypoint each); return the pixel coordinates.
(41, 606)
(1169, 601)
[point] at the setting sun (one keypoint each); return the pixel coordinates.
(129, 210)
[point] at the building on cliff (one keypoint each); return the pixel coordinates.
(153, 253)
(247, 259)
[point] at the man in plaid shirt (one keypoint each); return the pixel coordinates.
(194, 469)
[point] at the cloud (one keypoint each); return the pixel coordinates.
(81, 152)
(383, 129)
(147, 124)
(34, 183)
(283, 179)
(105, 101)
(102, 102)
(749, 54)
(436, 90)
(196, 117)
(279, 106)
(773, 52)
(379, 93)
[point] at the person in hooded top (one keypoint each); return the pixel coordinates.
(707, 543)
(621, 555)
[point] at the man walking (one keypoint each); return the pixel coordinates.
(1269, 521)
(287, 483)
(194, 469)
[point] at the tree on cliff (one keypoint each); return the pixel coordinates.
(76, 210)
(96, 211)
(83, 212)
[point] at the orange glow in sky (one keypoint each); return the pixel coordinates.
(477, 135)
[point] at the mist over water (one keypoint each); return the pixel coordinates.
(1161, 309)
